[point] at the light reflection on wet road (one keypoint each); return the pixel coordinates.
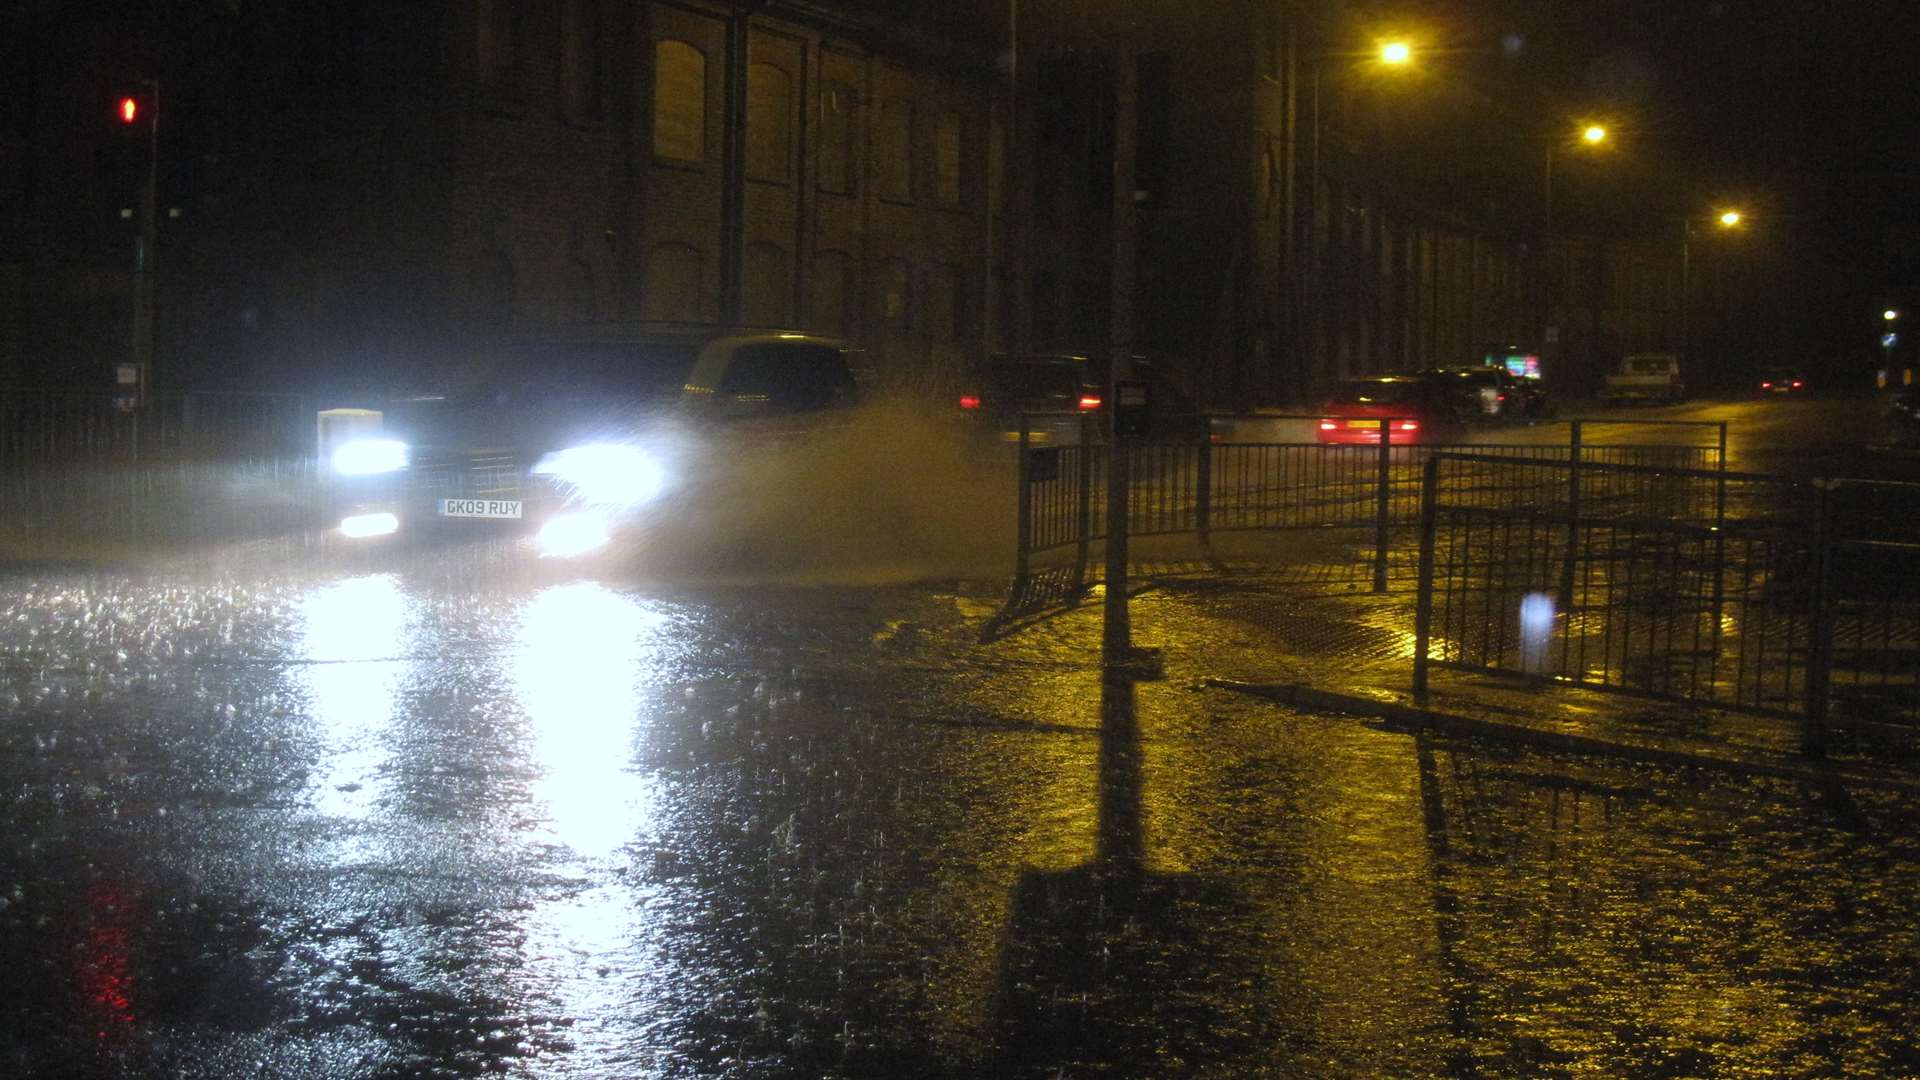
(379, 824)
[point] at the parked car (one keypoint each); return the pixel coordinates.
(1420, 408)
(1646, 377)
(1496, 394)
(1779, 381)
(580, 448)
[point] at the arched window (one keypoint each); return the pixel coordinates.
(679, 101)
(945, 311)
(948, 137)
(766, 286)
(672, 284)
(769, 122)
(893, 150)
(893, 312)
(945, 314)
(839, 139)
(832, 286)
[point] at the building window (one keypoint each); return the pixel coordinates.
(948, 134)
(672, 284)
(892, 317)
(679, 102)
(832, 284)
(580, 66)
(769, 122)
(893, 150)
(501, 26)
(766, 286)
(839, 148)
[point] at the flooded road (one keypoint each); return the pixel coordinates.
(415, 821)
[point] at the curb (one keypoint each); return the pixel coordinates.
(1411, 718)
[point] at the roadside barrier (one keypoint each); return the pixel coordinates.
(1742, 591)
(1268, 472)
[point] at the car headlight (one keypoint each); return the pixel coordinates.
(572, 534)
(605, 474)
(365, 457)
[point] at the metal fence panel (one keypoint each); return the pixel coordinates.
(1735, 590)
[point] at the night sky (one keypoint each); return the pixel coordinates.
(1807, 113)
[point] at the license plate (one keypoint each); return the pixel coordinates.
(1372, 425)
(480, 508)
(1032, 437)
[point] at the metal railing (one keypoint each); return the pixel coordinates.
(1200, 486)
(1736, 590)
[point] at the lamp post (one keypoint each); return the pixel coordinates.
(1591, 136)
(1392, 54)
(1888, 339)
(1724, 220)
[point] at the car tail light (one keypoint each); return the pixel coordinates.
(1797, 384)
(1409, 425)
(1500, 397)
(1089, 402)
(1766, 386)
(1328, 425)
(969, 401)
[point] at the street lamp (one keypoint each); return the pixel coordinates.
(1392, 54)
(1591, 136)
(1725, 220)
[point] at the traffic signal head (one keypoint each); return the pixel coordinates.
(129, 110)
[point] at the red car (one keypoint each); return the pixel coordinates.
(1419, 408)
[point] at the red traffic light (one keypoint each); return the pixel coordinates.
(129, 110)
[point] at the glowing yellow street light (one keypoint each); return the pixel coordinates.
(1729, 218)
(1594, 134)
(1889, 314)
(1395, 52)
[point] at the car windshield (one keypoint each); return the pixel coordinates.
(795, 375)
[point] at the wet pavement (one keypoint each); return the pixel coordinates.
(459, 817)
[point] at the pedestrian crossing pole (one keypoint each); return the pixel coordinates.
(1117, 632)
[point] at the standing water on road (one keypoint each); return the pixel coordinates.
(380, 825)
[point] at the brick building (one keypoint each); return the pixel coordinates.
(388, 187)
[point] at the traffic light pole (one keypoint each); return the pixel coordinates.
(146, 245)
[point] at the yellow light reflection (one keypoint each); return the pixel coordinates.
(577, 670)
(353, 639)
